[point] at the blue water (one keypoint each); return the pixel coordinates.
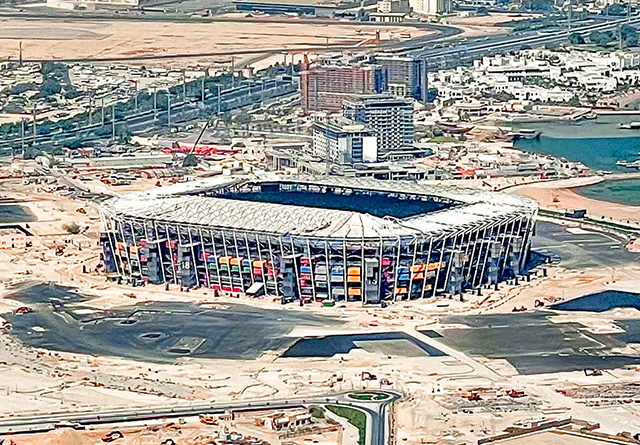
(596, 153)
(598, 144)
(622, 192)
(601, 302)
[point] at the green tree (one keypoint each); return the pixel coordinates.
(601, 38)
(629, 35)
(49, 86)
(576, 39)
(615, 9)
(575, 101)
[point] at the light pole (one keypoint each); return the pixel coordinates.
(219, 97)
(113, 121)
(22, 134)
(135, 96)
(202, 86)
(155, 100)
(184, 87)
(35, 130)
(169, 108)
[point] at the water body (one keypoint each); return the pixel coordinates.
(601, 302)
(598, 144)
(626, 192)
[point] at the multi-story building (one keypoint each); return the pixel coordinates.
(390, 118)
(404, 74)
(344, 142)
(325, 85)
(431, 7)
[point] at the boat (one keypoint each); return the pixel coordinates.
(630, 126)
(526, 133)
(635, 164)
(452, 128)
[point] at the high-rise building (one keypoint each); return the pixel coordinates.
(324, 85)
(344, 142)
(404, 74)
(390, 118)
(431, 7)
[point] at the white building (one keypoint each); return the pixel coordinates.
(431, 7)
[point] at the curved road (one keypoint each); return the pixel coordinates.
(377, 412)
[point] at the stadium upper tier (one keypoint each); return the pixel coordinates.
(321, 207)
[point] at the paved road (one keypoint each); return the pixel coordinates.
(478, 46)
(180, 112)
(576, 248)
(377, 412)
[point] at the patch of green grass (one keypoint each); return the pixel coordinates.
(368, 396)
(317, 412)
(354, 417)
(443, 139)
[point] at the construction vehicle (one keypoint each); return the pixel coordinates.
(172, 426)
(473, 397)
(207, 420)
(515, 394)
(23, 310)
(368, 376)
(591, 372)
(113, 435)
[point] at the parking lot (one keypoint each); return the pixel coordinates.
(574, 247)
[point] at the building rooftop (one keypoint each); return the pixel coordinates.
(186, 203)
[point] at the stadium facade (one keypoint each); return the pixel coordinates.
(303, 238)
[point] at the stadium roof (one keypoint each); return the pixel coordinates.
(183, 203)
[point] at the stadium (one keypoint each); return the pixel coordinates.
(317, 238)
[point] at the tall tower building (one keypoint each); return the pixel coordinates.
(431, 7)
(325, 85)
(404, 74)
(390, 118)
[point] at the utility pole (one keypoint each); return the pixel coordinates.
(202, 87)
(90, 108)
(20, 50)
(113, 121)
(102, 110)
(155, 100)
(35, 130)
(619, 37)
(169, 108)
(22, 134)
(569, 18)
(135, 97)
(233, 71)
(425, 80)
(219, 97)
(184, 87)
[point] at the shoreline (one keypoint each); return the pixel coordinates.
(562, 196)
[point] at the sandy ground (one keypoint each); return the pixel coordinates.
(33, 380)
(545, 193)
(485, 25)
(54, 39)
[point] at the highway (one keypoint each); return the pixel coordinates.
(234, 98)
(437, 53)
(377, 411)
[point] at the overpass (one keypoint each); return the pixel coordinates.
(378, 413)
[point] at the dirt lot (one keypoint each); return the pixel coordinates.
(43, 38)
